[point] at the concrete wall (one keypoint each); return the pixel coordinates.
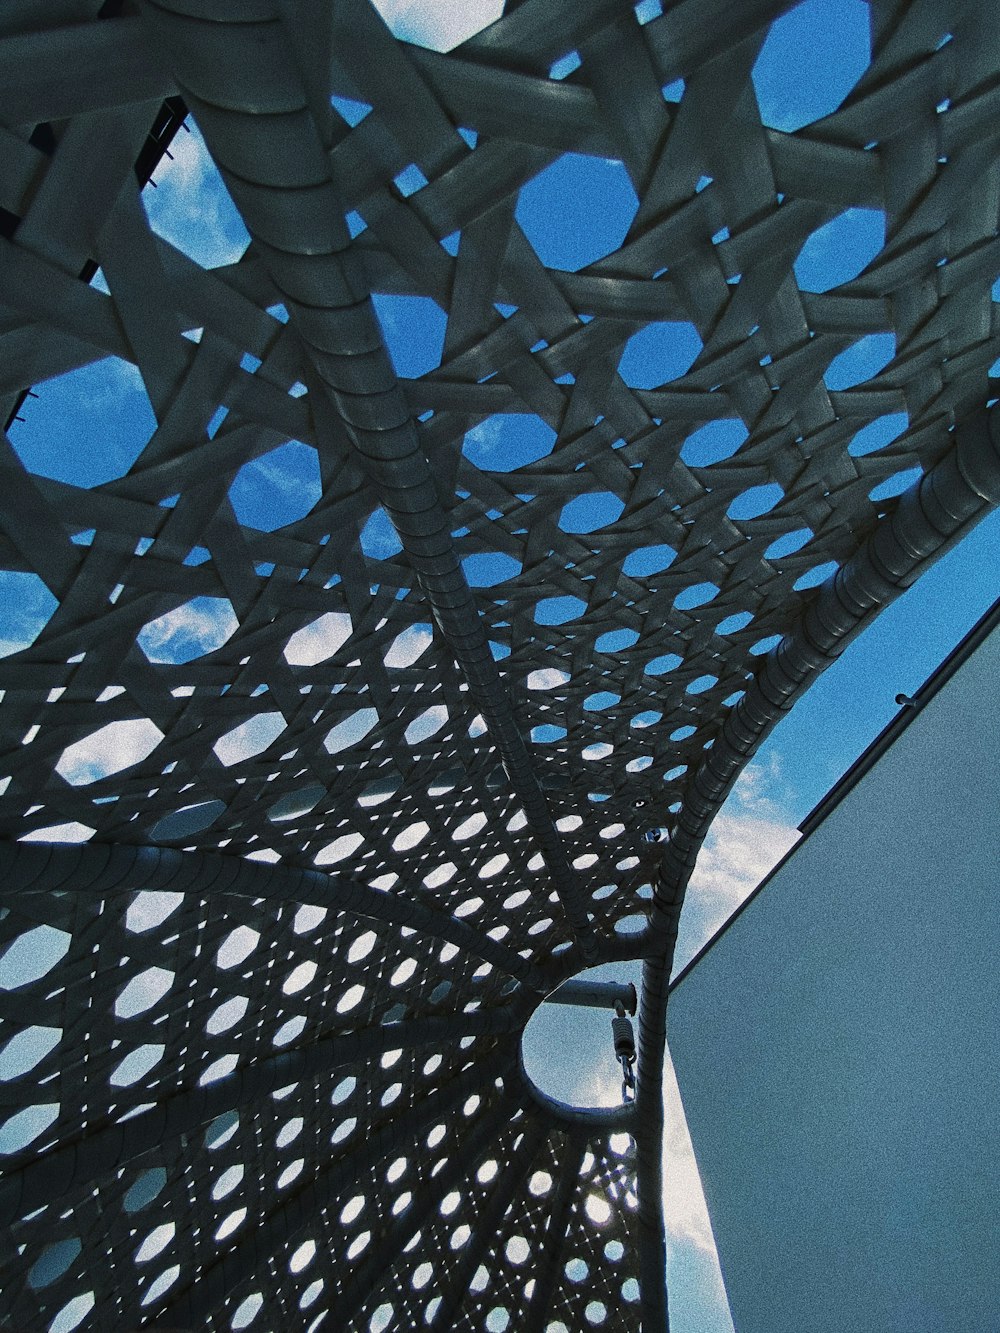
(838, 1049)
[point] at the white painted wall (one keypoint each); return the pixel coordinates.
(838, 1049)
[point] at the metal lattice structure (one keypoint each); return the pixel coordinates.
(294, 1088)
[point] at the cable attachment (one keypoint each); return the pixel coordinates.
(624, 1038)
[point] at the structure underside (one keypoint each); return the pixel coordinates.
(363, 681)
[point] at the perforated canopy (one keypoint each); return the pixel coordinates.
(354, 644)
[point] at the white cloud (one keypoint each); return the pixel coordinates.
(486, 434)
(698, 1302)
(547, 678)
(151, 907)
(350, 730)
(278, 468)
(598, 750)
(594, 1085)
(71, 832)
(340, 849)
(249, 738)
(319, 640)
(379, 539)
(683, 1198)
(190, 206)
(494, 865)
(439, 25)
(748, 837)
(108, 750)
(430, 721)
(26, 606)
(409, 645)
(143, 991)
(411, 836)
(28, 636)
(27, 630)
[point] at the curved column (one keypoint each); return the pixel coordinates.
(238, 72)
(928, 519)
(102, 869)
(937, 510)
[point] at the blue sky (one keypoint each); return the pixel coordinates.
(811, 59)
(89, 427)
(855, 698)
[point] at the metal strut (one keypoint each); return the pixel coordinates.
(624, 1038)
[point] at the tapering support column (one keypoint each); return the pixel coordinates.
(241, 77)
(928, 519)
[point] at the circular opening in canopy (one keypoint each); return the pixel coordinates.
(568, 1050)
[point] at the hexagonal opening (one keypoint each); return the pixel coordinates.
(697, 594)
(190, 630)
(812, 578)
(754, 501)
(558, 610)
(589, 513)
(351, 729)
(616, 640)
(250, 738)
(413, 328)
(186, 822)
(409, 646)
(486, 569)
(841, 249)
(109, 749)
(320, 640)
(296, 803)
(646, 560)
(507, 441)
(659, 666)
(878, 433)
(895, 484)
(278, 488)
(713, 442)
(428, 724)
(788, 543)
(861, 361)
(189, 205)
(438, 27)
(659, 353)
(26, 606)
(86, 427)
(577, 210)
(811, 59)
(379, 539)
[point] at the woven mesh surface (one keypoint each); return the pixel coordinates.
(286, 1090)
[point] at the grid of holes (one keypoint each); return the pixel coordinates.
(766, 348)
(229, 988)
